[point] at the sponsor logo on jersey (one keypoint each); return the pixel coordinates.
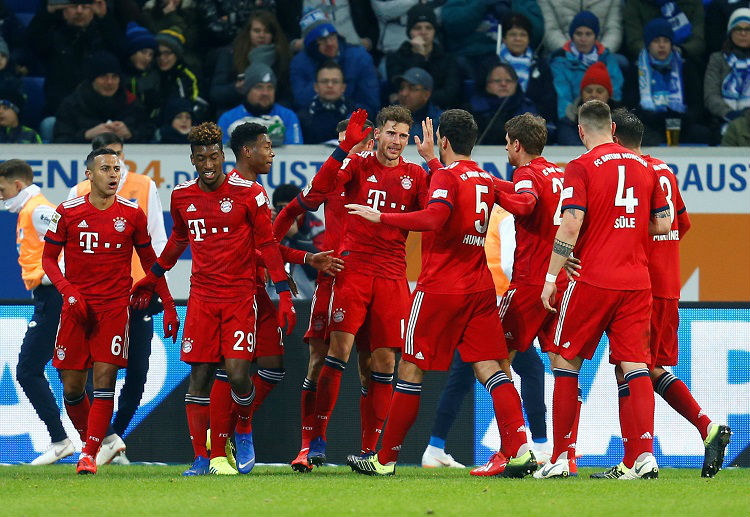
(187, 345)
(83, 224)
(119, 224)
(406, 182)
(372, 179)
(191, 208)
(53, 223)
(338, 315)
(60, 353)
(260, 199)
(441, 192)
(225, 205)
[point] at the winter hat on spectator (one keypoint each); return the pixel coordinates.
(103, 62)
(315, 24)
(175, 106)
(138, 38)
(597, 74)
(738, 16)
(420, 13)
(12, 98)
(656, 28)
(584, 19)
(172, 38)
(258, 73)
(416, 75)
(4, 47)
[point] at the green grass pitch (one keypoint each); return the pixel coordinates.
(150, 490)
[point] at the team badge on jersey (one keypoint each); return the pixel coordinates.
(60, 352)
(338, 315)
(406, 182)
(318, 323)
(119, 224)
(53, 223)
(225, 205)
(187, 345)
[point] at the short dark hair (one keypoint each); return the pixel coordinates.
(505, 66)
(105, 139)
(595, 115)
(516, 20)
(394, 113)
(245, 134)
(285, 193)
(341, 126)
(530, 130)
(206, 134)
(16, 169)
(98, 152)
(461, 130)
(329, 64)
(628, 128)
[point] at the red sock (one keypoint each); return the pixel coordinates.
(508, 413)
(242, 407)
(574, 429)
(364, 418)
(642, 404)
(329, 384)
(221, 414)
(626, 424)
(265, 381)
(78, 412)
(100, 415)
(677, 395)
(197, 409)
(564, 402)
(309, 394)
(401, 416)
(379, 400)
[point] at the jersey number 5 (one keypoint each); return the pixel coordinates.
(629, 201)
(482, 208)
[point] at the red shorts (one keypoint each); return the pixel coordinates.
(108, 344)
(383, 302)
(587, 311)
(319, 308)
(216, 330)
(524, 317)
(665, 320)
(269, 338)
(440, 323)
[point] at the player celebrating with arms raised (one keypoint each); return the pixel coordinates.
(612, 202)
(455, 287)
(98, 232)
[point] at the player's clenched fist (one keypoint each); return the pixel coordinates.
(287, 316)
(140, 294)
(355, 130)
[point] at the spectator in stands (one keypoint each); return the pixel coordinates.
(223, 19)
(260, 106)
(534, 75)
(422, 50)
(260, 41)
(595, 85)
(559, 13)
(11, 130)
(391, 22)
(322, 42)
(738, 131)
(352, 19)
(175, 78)
(64, 37)
(330, 105)
(11, 29)
(140, 76)
(668, 86)
(726, 87)
(570, 63)
(164, 14)
(415, 92)
(717, 14)
(685, 16)
(9, 78)
(498, 98)
(101, 104)
(178, 121)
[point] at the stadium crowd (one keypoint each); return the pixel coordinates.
(149, 70)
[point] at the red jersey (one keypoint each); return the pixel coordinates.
(335, 213)
(664, 250)
(618, 192)
(453, 257)
(370, 248)
(223, 227)
(98, 246)
(535, 233)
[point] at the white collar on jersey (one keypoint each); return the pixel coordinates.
(17, 202)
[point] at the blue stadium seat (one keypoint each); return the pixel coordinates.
(22, 6)
(31, 115)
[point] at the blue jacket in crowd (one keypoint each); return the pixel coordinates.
(282, 123)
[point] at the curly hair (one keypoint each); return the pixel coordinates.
(207, 133)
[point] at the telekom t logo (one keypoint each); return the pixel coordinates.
(197, 228)
(88, 241)
(376, 198)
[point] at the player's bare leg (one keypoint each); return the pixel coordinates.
(329, 384)
(715, 436)
(100, 413)
(318, 350)
(197, 400)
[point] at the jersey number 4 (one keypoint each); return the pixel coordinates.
(629, 201)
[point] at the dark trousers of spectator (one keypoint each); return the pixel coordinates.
(461, 379)
(36, 351)
(140, 333)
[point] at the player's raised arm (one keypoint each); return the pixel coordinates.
(426, 146)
